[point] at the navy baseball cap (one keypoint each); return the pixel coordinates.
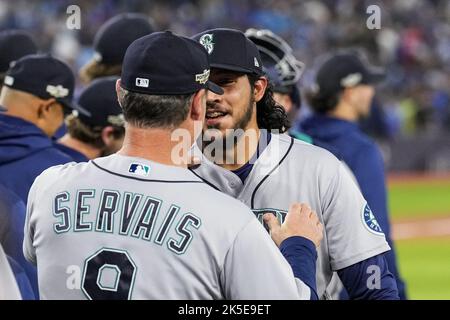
(100, 99)
(45, 77)
(344, 70)
(14, 44)
(230, 49)
(166, 64)
(115, 35)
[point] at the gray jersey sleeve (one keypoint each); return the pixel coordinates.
(254, 268)
(353, 233)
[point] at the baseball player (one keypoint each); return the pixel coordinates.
(111, 42)
(14, 44)
(99, 134)
(277, 170)
(141, 231)
(37, 92)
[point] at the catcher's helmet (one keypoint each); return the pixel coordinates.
(280, 65)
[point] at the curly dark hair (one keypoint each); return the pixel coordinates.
(269, 114)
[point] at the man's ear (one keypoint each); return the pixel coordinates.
(260, 88)
(44, 107)
(118, 87)
(107, 135)
(347, 94)
(198, 106)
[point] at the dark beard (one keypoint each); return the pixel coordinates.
(241, 123)
(245, 119)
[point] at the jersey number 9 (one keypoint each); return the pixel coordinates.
(109, 275)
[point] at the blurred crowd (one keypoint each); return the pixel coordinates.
(413, 43)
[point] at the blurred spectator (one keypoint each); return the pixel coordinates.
(413, 41)
(103, 132)
(37, 92)
(12, 220)
(343, 93)
(111, 42)
(14, 44)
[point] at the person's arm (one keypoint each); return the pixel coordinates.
(298, 237)
(12, 243)
(254, 267)
(8, 285)
(22, 280)
(369, 279)
(368, 168)
(353, 234)
(301, 254)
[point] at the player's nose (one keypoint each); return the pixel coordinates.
(212, 97)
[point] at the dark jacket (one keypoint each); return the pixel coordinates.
(364, 158)
(74, 154)
(12, 220)
(25, 151)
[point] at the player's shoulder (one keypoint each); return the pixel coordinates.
(61, 172)
(305, 151)
(223, 203)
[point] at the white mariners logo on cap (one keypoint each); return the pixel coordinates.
(370, 222)
(57, 91)
(202, 78)
(256, 62)
(351, 80)
(139, 169)
(206, 40)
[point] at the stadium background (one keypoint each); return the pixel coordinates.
(411, 118)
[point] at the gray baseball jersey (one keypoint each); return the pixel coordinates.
(126, 228)
(288, 171)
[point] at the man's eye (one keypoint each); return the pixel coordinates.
(225, 82)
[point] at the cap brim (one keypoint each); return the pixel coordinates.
(375, 76)
(234, 68)
(75, 106)
(214, 87)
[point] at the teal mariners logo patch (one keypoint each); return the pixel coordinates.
(206, 40)
(370, 222)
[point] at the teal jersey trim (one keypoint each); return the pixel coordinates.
(301, 136)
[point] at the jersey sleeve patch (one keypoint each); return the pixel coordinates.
(370, 222)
